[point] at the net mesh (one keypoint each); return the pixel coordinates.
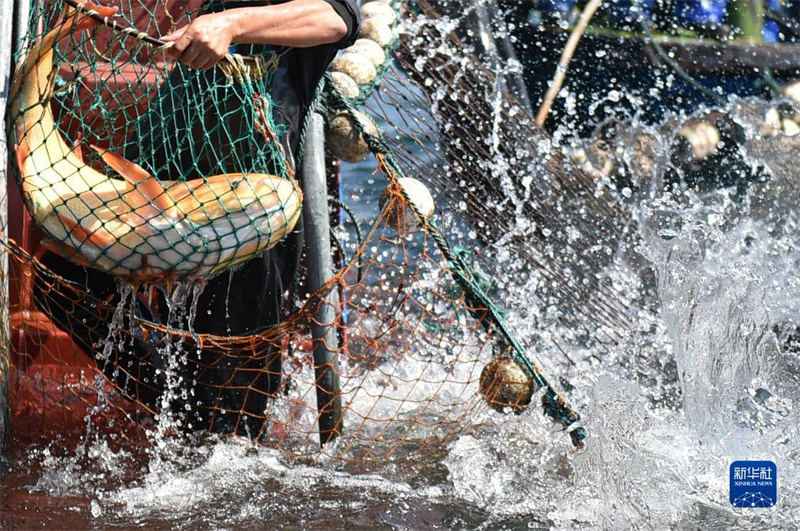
(420, 351)
(209, 188)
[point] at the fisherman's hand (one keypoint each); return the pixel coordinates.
(203, 43)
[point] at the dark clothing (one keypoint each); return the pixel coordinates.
(231, 391)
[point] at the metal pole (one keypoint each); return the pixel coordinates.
(13, 21)
(316, 222)
(21, 11)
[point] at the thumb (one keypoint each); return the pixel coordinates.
(173, 36)
(178, 41)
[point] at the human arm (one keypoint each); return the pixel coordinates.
(297, 23)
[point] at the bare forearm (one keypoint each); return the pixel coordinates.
(299, 23)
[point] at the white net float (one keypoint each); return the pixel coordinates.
(380, 12)
(356, 66)
(346, 84)
(378, 31)
(369, 49)
(345, 140)
(404, 217)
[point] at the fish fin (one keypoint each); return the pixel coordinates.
(99, 238)
(65, 250)
(76, 147)
(146, 184)
(21, 151)
(73, 20)
(83, 21)
(132, 172)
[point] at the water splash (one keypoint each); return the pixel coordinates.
(699, 380)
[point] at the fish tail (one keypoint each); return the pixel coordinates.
(77, 19)
(73, 20)
(65, 250)
(82, 17)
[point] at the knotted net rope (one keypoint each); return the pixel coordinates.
(423, 353)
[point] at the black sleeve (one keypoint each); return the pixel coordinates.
(348, 10)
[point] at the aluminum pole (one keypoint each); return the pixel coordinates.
(13, 23)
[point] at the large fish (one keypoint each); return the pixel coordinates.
(136, 227)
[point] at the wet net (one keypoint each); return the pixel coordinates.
(402, 349)
(210, 186)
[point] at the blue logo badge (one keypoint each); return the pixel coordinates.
(754, 484)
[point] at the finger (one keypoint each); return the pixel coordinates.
(201, 61)
(189, 55)
(204, 60)
(210, 59)
(174, 35)
(208, 64)
(182, 44)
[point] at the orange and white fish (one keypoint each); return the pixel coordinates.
(136, 227)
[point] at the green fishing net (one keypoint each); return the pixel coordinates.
(136, 165)
(420, 352)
